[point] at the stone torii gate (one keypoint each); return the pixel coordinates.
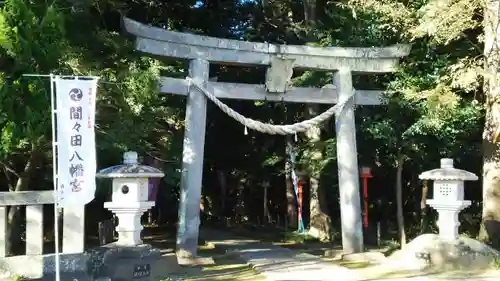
(282, 59)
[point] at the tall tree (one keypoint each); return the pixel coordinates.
(452, 32)
(491, 162)
(320, 224)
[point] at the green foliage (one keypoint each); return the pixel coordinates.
(32, 42)
(37, 38)
(446, 21)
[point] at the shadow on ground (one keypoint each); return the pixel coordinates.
(225, 267)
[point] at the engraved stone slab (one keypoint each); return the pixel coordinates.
(141, 270)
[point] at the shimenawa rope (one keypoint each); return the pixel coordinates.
(267, 128)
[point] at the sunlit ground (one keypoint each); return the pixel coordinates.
(221, 267)
(225, 267)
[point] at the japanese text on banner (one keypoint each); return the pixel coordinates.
(76, 159)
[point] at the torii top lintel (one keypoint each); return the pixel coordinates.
(162, 42)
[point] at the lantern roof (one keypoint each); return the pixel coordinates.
(447, 172)
(130, 169)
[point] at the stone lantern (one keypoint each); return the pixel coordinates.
(129, 198)
(129, 258)
(448, 198)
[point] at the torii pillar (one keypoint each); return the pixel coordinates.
(192, 163)
(347, 162)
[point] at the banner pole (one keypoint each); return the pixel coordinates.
(56, 194)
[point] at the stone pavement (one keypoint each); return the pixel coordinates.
(281, 264)
(277, 263)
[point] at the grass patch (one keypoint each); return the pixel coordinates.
(295, 237)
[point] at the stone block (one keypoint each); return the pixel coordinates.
(64, 276)
(141, 263)
(43, 265)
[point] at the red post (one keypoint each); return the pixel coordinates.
(365, 173)
(301, 185)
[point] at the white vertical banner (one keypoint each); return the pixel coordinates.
(76, 154)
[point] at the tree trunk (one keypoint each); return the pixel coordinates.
(310, 12)
(13, 235)
(267, 216)
(320, 225)
(399, 201)
(222, 180)
(291, 208)
(424, 221)
(490, 226)
(291, 201)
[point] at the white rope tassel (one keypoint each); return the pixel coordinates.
(272, 129)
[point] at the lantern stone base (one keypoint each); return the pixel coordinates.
(448, 222)
(129, 221)
(435, 252)
(140, 263)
